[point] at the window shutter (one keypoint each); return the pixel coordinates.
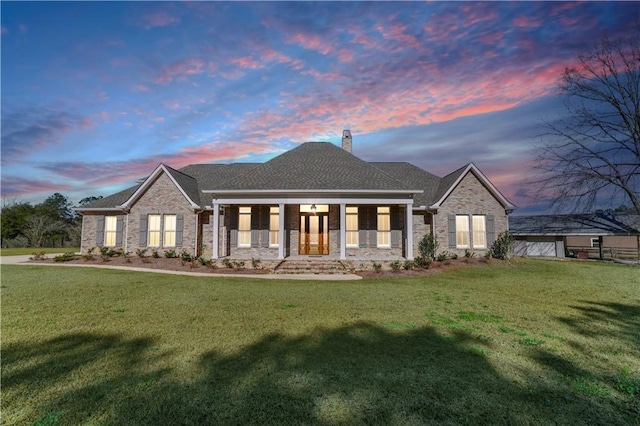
(396, 236)
(491, 230)
(179, 229)
(119, 226)
(143, 230)
(264, 238)
(233, 238)
(100, 231)
(233, 217)
(255, 237)
(362, 238)
(373, 238)
(265, 217)
(362, 219)
(394, 213)
(452, 231)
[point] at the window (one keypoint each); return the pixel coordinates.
(154, 230)
(384, 227)
(479, 232)
(595, 242)
(352, 227)
(274, 226)
(462, 231)
(110, 230)
(169, 230)
(244, 227)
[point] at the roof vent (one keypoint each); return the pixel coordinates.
(346, 140)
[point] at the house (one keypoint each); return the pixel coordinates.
(595, 235)
(315, 200)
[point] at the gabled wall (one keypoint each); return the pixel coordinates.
(163, 197)
(469, 197)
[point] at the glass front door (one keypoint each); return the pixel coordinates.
(314, 233)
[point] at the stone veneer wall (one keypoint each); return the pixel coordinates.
(469, 197)
(163, 197)
(89, 229)
(421, 227)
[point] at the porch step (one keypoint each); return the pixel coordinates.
(311, 266)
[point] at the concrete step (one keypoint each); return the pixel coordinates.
(311, 267)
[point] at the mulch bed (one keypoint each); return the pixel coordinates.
(177, 264)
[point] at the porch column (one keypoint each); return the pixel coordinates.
(281, 231)
(343, 231)
(216, 231)
(409, 227)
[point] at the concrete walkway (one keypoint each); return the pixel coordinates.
(24, 260)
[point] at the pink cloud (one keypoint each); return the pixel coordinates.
(311, 42)
(18, 186)
(160, 18)
(397, 32)
(246, 62)
(527, 22)
(184, 67)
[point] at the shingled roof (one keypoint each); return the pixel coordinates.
(414, 177)
(312, 166)
(315, 166)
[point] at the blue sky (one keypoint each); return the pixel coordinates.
(96, 94)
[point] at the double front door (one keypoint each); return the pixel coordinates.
(314, 233)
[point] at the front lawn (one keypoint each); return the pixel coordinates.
(530, 342)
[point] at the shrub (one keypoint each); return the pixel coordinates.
(255, 263)
(502, 246)
(88, 256)
(238, 264)
(377, 266)
(186, 256)
(155, 254)
(227, 263)
(170, 254)
(203, 261)
(142, 252)
(468, 254)
(443, 256)
(395, 265)
(428, 246)
(408, 265)
(421, 262)
(65, 257)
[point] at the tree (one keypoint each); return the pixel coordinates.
(14, 218)
(88, 200)
(56, 207)
(39, 229)
(594, 151)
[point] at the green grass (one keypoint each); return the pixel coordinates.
(531, 342)
(20, 251)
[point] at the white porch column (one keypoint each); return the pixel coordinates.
(216, 231)
(343, 231)
(409, 227)
(281, 231)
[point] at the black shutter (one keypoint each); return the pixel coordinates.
(233, 238)
(119, 227)
(100, 231)
(143, 230)
(491, 230)
(179, 229)
(452, 231)
(233, 213)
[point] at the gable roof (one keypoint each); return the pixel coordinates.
(315, 166)
(449, 183)
(576, 224)
(310, 167)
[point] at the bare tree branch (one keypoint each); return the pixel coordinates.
(595, 149)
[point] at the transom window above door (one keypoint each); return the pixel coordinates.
(309, 208)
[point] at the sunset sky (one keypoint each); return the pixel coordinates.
(96, 94)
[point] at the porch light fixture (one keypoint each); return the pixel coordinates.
(313, 209)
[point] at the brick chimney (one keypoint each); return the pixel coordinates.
(346, 141)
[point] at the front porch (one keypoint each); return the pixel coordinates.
(321, 228)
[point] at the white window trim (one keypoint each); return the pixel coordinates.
(164, 229)
(472, 232)
(352, 231)
(107, 231)
(243, 231)
(382, 232)
(467, 231)
(274, 211)
(149, 230)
